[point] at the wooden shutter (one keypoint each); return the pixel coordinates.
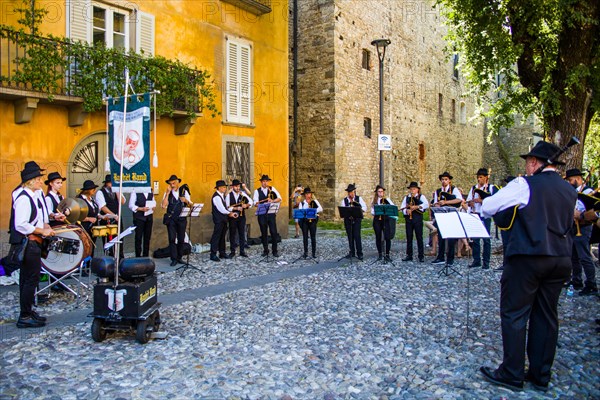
(80, 17)
(239, 82)
(144, 33)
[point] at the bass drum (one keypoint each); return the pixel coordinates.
(67, 249)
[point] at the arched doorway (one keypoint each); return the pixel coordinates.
(87, 162)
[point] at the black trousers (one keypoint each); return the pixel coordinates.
(309, 226)
(176, 230)
(353, 232)
(382, 231)
(143, 233)
(29, 277)
(530, 289)
(237, 233)
(442, 247)
(414, 225)
(264, 222)
(217, 240)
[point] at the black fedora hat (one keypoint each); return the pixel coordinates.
(413, 184)
(236, 182)
(31, 170)
(573, 172)
(544, 151)
(351, 188)
(481, 171)
(107, 179)
(173, 178)
(307, 190)
(53, 176)
(220, 183)
(378, 187)
(446, 174)
(89, 184)
(509, 179)
(264, 178)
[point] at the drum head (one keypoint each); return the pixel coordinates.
(76, 246)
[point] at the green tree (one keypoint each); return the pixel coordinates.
(31, 15)
(547, 53)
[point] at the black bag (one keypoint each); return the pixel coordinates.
(16, 253)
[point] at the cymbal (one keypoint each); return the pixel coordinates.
(74, 209)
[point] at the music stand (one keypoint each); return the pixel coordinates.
(352, 213)
(302, 214)
(385, 210)
(266, 209)
(189, 212)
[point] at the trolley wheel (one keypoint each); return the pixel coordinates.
(143, 331)
(98, 331)
(156, 321)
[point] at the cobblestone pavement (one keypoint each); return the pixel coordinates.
(350, 331)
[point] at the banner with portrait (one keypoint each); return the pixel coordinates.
(132, 149)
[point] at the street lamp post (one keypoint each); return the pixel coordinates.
(381, 45)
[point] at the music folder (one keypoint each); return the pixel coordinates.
(350, 212)
(389, 210)
(305, 213)
(458, 225)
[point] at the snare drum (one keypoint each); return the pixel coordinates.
(113, 229)
(99, 231)
(67, 249)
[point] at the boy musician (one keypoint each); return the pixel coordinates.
(309, 225)
(174, 199)
(475, 197)
(447, 195)
(238, 202)
(54, 197)
(267, 194)
(352, 225)
(413, 207)
(381, 224)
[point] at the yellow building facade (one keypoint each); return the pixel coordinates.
(241, 43)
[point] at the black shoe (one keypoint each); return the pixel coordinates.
(587, 291)
(37, 316)
(387, 258)
(475, 265)
(173, 263)
(314, 255)
(30, 322)
(246, 246)
(243, 254)
(275, 254)
(485, 267)
(407, 258)
(578, 286)
(437, 261)
(214, 257)
(536, 385)
(180, 261)
(495, 378)
(305, 256)
(224, 256)
(265, 253)
(232, 254)
(348, 256)
(499, 269)
(421, 259)
(360, 258)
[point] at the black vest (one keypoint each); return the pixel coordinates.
(111, 200)
(140, 201)
(54, 206)
(355, 203)
(16, 237)
(439, 192)
(92, 211)
(261, 196)
(218, 216)
(541, 227)
(175, 206)
(242, 199)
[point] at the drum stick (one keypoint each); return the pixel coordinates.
(66, 230)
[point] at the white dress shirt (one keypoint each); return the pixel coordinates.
(304, 205)
(237, 199)
(473, 195)
(516, 192)
(133, 199)
(362, 203)
(218, 203)
(422, 207)
(22, 207)
(265, 192)
(446, 189)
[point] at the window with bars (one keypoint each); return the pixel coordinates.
(238, 162)
(239, 82)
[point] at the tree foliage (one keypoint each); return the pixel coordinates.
(546, 53)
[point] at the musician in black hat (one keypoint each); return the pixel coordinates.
(538, 210)
(174, 199)
(220, 213)
(474, 199)
(267, 194)
(447, 195)
(353, 225)
(142, 205)
(413, 206)
(382, 224)
(581, 258)
(108, 204)
(28, 224)
(237, 202)
(54, 197)
(309, 225)
(87, 193)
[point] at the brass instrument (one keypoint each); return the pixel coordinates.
(270, 190)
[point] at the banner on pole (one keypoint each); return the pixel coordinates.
(136, 146)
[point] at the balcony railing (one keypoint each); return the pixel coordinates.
(58, 68)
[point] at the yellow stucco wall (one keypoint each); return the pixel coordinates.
(193, 32)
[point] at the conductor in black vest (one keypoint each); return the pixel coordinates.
(220, 213)
(352, 225)
(174, 199)
(538, 209)
(238, 202)
(142, 205)
(267, 194)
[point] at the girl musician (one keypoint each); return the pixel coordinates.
(381, 224)
(309, 225)
(53, 197)
(267, 194)
(87, 193)
(413, 206)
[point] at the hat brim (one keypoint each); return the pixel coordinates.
(524, 157)
(47, 181)
(88, 188)
(216, 187)
(169, 181)
(32, 176)
(445, 176)
(410, 187)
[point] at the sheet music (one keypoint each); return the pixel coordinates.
(274, 207)
(450, 225)
(195, 210)
(151, 204)
(118, 238)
